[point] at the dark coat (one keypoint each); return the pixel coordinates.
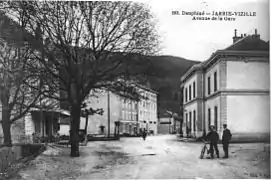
(226, 137)
(213, 137)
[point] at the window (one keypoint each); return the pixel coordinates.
(194, 120)
(123, 115)
(134, 116)
(186, 119)
(190, 120)
(189, 92)
(122, 103)
(209, 85)
(216, 117)
(215, 82)
(209, 117)
(121, 127)
(126, 127)
(194, 89)
(185, 94)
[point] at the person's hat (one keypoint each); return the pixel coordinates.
(212, 127)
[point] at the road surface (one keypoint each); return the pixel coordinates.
(159, 157)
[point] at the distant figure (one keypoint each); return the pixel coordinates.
(187, 131)
(144, 134)
(213, 137)
(226, 137)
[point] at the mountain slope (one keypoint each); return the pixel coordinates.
(168, 82)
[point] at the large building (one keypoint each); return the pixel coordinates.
(133, 116)
(231, 87)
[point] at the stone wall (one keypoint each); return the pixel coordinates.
(17, 132)
(10, 155)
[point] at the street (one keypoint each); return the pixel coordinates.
(159, 157)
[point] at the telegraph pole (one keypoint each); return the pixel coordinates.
(108, 113)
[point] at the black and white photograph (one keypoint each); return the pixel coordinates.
(143, 89)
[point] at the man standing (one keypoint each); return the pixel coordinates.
(226, 137)
(144, 134)
(213, 137)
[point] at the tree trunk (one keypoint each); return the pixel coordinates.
(86, 124)
(6, 125)
(74, 134)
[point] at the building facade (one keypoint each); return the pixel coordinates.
(129, 117)
(147, 110)
(231, 87)
(103, 124)
(133, 116)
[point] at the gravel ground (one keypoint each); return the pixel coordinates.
(159, 157)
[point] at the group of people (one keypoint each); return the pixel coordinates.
(213, 138)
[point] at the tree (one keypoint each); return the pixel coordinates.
(91, 44)
(18, 69)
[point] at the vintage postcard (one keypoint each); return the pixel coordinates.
(146, 89)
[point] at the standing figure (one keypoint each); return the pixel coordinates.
(187, 131)
(213, 137)
(226, 137)
(144, 134)
(204, 135)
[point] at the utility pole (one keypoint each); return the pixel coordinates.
(169, 123)
(108, 113)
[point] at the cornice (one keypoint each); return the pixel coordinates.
(239, 92)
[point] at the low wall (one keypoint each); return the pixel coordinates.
(250, 137)
(103, 138)
(10, 155)
(247, 138)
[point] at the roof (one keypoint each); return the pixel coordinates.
(145, 88)
(195, 67)
(250, 45)
(60, 111)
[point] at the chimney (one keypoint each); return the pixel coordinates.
(235, 37)
(256, 35)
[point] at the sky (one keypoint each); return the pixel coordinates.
(196, 39)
